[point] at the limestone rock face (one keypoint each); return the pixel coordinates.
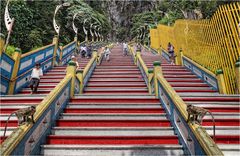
(120, 12)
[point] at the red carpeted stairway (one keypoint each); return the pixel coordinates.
(10, 103)
(193, 90)
(114, 116)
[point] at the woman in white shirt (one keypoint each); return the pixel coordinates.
(35, 77)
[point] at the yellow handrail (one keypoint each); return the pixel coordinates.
(17, 135)
(202, 136)
(213, 43)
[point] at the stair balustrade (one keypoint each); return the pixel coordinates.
(16, 70)
(146, 73)
(194, 138)
(212, 43)
(26, 138)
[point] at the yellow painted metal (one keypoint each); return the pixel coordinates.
(237, 72)
(213, 43)
(209, 146)
(150, 77)
(71, 70)
(221, 84)
(16, 137)
(76, 44)
(60, 55)
(154, 38)
(16, 57)
(55, 42)
(79, 76)
(88, 66)
(2, 43)
(156, 70)
(131, 49)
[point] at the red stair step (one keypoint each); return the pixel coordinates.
(215, 99)
(112, 140)
(119, 110)
(221, 122)
(113, 123)
(227, 139)
(117, 101)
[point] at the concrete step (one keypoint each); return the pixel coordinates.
(8, 131)
(223, 130)
(230, 149)
(119, 76)
(110, 150)
(112, 131)
(112, 140)
(107, 116)
(114, 106)
(107, 80)
(112, 123)
(116, 89)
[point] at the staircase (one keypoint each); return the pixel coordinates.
(225, 108)
(23, 99)
(114, 116)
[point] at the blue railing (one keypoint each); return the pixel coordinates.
(203, 75)
(27, 62)
(50, 108)
(6, 68)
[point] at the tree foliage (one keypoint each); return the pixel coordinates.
(168, 11)
(33, 25)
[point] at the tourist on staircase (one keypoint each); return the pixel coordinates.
(89, 51)
(138, 47)
(74, 59)
(35, 77)
(171, 52)
(107, 53)
(125, 49)
(83, 51)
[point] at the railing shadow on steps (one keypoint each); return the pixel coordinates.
(194, 138)
(27, 138)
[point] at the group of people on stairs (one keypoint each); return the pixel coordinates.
(37, 70)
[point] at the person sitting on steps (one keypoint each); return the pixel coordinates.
(35, 77)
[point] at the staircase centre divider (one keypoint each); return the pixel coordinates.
(26, 139)
(146, 73)
(194, 138)
(16, 70)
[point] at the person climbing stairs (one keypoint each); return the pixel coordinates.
(193, 90)
(23, 99)
(115, 116)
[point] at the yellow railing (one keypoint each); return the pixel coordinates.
(18, 134)
(212, 43)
